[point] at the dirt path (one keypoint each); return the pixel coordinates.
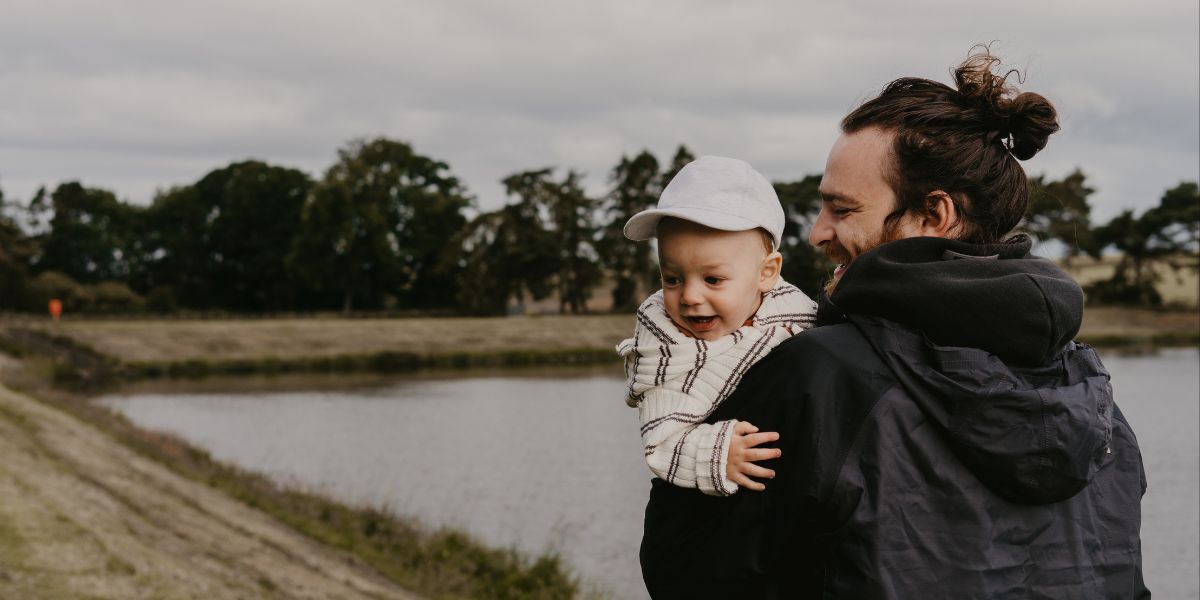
(82, 516)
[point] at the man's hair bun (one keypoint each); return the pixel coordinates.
(1033, 120)
(965, 140)
(1022, 122)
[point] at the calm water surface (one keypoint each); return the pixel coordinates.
(552, 461)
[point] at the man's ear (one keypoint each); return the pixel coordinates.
(769, 274)
(941, 215)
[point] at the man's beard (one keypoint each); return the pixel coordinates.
(840, 255)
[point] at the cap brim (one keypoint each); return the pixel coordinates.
(644, 225)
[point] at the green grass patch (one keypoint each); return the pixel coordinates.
(13, 547)
(380, 362)
(441, 564)
(115, 564)
(266, 583)
(18, 419)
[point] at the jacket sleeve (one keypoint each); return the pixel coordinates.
(680, 448)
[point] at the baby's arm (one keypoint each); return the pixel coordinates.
(683, 451)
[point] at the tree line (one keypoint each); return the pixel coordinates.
(387, 228)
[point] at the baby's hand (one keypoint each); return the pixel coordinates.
(742, 454)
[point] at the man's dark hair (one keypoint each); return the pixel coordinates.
(965, 142)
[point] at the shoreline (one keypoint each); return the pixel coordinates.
(84, 516)
(380, 554)
(385, 363)
(93, 352)
(61, 372)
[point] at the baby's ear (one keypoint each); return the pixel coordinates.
(769, 275)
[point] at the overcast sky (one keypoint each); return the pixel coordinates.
(138, 95)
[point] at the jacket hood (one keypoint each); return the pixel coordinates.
(980, 338)
(1033, 435)
(996, 297)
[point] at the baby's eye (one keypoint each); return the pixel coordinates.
(712, 280)
(669, 281)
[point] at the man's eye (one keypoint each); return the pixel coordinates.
(712, 280)
(841, 212)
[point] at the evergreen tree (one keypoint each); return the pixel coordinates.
(90, 236)
(1161, 235)
(16, 250)
(376, 226)
(637, 184)
(682, 157)
(506, 255)
(568, 214)
(221, 243)
(1059, 210)
(804, 266)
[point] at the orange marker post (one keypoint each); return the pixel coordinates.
(55, 308)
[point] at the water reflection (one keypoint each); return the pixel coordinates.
(529, 460)
(550, 459)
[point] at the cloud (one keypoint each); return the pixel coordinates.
(136, 95)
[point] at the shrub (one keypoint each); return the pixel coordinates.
(103, 297)
(115, 297)
(75, 296)
(161, 299)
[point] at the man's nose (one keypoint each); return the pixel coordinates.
(822, 229)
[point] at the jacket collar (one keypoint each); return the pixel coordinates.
(995, 297)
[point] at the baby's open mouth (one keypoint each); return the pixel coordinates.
(702, 323)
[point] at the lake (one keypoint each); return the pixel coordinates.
(551, 459)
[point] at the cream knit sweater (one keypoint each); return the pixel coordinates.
(676, 381)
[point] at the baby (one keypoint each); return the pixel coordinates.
(722, 307)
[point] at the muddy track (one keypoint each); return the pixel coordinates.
(82, 516)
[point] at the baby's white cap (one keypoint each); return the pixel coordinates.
(717, 192)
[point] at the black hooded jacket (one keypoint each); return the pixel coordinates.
(941, 436)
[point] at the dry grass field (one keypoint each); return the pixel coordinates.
(1178, 288)
(276, 342)
(166, 341)
(321, 341)
(1106, 325)
(340, 344)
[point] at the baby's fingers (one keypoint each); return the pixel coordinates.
(747, 483)
(744, 428)
(755, 439)
(756, 471)
(754, 454)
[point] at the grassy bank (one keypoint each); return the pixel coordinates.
(174, 348)
(84, 517)
(186, 348)
(1114, 327)
(437, 564)
(1178, 287)
(177, 341)
(440, 564)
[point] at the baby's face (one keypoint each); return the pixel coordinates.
(712, 280)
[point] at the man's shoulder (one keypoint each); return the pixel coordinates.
(822, 347)
(832, 359)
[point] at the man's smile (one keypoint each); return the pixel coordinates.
(839, 255)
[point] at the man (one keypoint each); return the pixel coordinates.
(941, 436)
